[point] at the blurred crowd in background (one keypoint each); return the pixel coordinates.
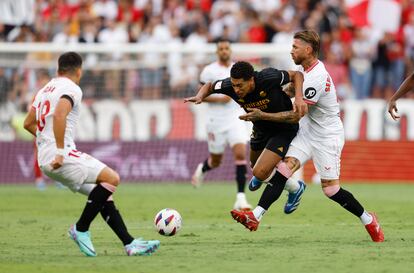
(361, 64)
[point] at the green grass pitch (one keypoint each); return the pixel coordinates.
(319, 237)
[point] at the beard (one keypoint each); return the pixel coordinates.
(297, 60)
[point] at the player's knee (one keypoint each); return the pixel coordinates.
(215, 163)
(330, 190)
(261, 173)
(114, 179)
(292, 163)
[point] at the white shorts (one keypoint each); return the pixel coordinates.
(78, 169)
(235, 134)
(325, 152)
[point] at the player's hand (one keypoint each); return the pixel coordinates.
(57, 162)
(194, 99)
(300, 106)
(252, 114)
(393, 110)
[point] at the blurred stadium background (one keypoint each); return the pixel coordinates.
(142, 57)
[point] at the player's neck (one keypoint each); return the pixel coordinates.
(70, 77)
(224, 63)
(307, 64)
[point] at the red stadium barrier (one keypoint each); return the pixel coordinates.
(374, 161)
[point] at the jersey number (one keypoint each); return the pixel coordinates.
(42, 111)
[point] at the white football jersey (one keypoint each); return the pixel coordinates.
(323, 118)
(220, 115)
(45, 104)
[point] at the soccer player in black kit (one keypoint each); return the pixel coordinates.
(270, 140)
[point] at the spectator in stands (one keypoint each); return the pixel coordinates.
(105, 8)
(152, 75)
(4, 86)
(360, 64)
(340, 76)
(66, 36)
(408, 31)
(389, 66)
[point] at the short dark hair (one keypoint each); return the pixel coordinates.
(222, 40)
(68, 62)
(242, 70)
(311, 37)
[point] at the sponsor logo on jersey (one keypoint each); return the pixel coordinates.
(262, 94)
(218, 85)
(310, 92)
(257, 104)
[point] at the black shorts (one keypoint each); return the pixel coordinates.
(275, 142)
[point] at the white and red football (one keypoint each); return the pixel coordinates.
(168, 222)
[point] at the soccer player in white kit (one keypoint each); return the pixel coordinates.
(224, 126)
(320, 136)
(52, 119)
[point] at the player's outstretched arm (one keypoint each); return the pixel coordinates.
(299, 105)
(406, 86)
(30, 121)
(254, 114)
(202, 93)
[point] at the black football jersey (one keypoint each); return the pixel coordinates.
(268, 96)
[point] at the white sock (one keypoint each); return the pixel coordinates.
(258, 212)
(241, 196)
(292, 185)
(366, 218)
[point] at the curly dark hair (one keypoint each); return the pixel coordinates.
(242, 70)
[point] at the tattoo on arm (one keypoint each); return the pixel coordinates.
(286, 117)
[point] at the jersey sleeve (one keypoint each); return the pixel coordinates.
(274, 76)
(313, 89)
(74, 93)
(223, 87)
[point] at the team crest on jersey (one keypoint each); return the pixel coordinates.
(218, 85)
(262, 94)
(310, 92)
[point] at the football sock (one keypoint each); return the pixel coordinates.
(272, 191)
(348, 202)
(96, 201)
(258, 212)
(292, 185)
(206, 167)
(114, 219)
(366, 218)
(241, 177)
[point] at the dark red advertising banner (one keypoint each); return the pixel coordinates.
(175, 160)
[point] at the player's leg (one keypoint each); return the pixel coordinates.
(237, 138)
(327, 163)
(262, 169)
(107, 181)
(271, 156)
(216, 146)
(100, 173)
(298, 154)
(239, 154)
